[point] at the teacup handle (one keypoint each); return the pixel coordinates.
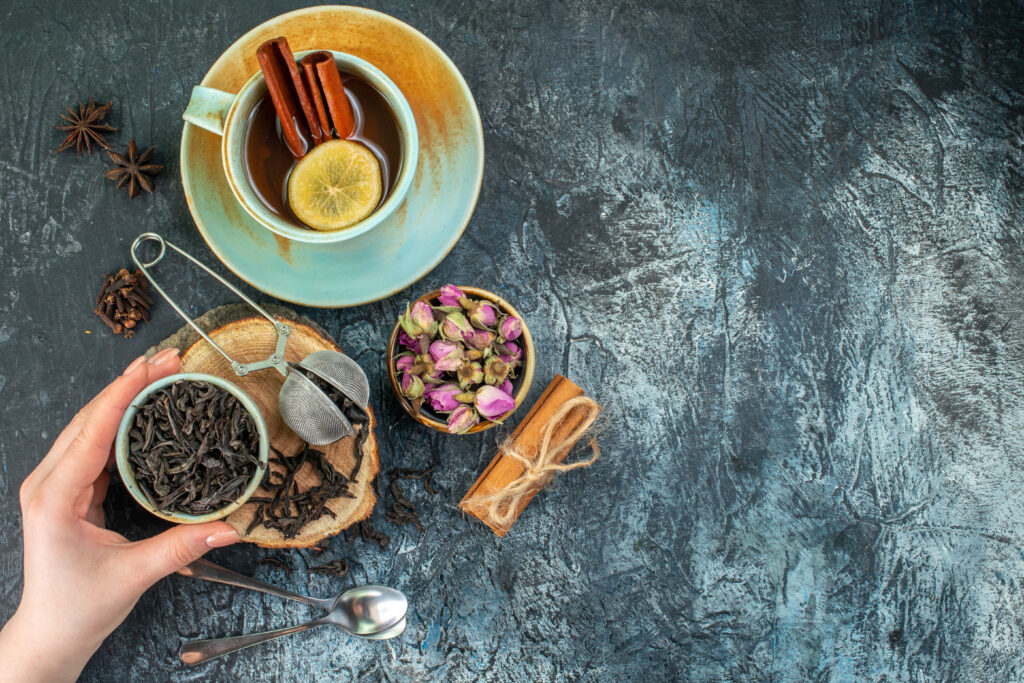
(209, 108)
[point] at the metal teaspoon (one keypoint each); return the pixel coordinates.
(359, 611)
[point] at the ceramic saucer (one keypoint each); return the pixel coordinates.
(425, 227)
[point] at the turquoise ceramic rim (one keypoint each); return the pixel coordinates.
(243, 267)
(125, 469)
(233, 139)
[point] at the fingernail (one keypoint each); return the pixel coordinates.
(134, 364)
(222, 538)
(164, 355)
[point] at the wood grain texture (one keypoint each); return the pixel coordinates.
(253, 339)
(780, 242)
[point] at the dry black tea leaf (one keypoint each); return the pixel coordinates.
(403, 511)
(277, 562)
(366, 531)
(338, 568)
(133, 169)
(85, 127)
(193, 448)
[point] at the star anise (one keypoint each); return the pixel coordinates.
(132, 169)
(86, 126)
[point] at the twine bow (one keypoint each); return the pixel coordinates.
(500, 507)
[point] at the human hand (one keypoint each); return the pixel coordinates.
(81, 579)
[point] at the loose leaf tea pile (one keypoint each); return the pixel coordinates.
(288, 509)
(193, 448)
(123, 301)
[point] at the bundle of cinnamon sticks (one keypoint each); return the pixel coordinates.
(308, 96)
(528, 459)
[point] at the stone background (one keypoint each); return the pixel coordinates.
(780, 241)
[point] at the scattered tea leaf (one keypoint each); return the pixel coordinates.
(402, 510)
(277, 562)
(366, 531)
(289, 509)
(337, 568)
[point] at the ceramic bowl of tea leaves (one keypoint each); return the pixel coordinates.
(192, 448)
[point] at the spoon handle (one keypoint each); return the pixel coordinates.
(208, 571)
(199, 651)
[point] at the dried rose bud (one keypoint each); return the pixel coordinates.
(450, 295)
(418, 320)
(462, 419)
(447, 355)
(404, 362)
(423, 316)
(492, 402)
(506, 386)
(470, 373)
(407, 341)
(485, 315)
(455, 326)
(412, 386)
(473, 354)
(479, 339)
(509, 352)
(495, 370)
(408, 326)
(442, 397)
(510, 328)
(423, 344)
(422, 366)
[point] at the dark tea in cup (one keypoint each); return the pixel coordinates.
(269, 163)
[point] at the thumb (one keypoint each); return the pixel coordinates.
(166, 553)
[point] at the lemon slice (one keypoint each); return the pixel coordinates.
(334, 186)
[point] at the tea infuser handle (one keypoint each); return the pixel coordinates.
(275, 361)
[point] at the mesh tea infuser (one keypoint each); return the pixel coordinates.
(304, 406)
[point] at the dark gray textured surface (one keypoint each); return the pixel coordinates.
(782, 243)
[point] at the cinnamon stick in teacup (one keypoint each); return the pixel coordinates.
(532, 455)
(290, 96)
(328, 94)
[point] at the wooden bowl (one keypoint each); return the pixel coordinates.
(524, 380)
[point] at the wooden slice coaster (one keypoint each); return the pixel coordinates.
(253, 338)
